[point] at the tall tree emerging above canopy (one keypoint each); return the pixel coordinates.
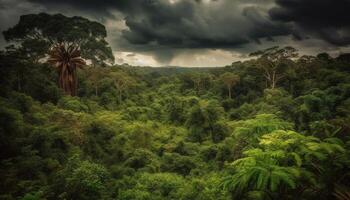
(66, 58)
(230, 80)
(274, 62)
(50, 30)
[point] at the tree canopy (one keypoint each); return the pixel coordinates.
(38, 32)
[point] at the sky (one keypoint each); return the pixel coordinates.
(201, 33)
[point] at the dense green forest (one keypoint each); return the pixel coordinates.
(272, 127)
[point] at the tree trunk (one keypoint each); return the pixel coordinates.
(198, 87)
(273, 82)
(74, 83)
(120, 96)
(19, 87)
(229, 92)
(68, 82)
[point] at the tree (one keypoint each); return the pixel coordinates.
(230, 80)
(202, 120)
(250, 130)
(81, 180)
(14, 63)
(66, 58)
(274, 62)
(94, 76)
(122, 82)
(44, 31)
(197, 80)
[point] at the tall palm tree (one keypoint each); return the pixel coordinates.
(66, 58)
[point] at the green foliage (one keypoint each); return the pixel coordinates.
(282, 162)
(82, 180)
(203, 119)
(73, 104)
(155, 186)
(261, 172)
(143, 160)
(33, 196)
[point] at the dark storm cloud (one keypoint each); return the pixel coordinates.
(188, 24)
(97, 5)
(263, 27)
(182, 24)
(100, 9)
(326, 19)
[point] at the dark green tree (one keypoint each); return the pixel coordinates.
(273, 62)
(38, 32)
(230, 80)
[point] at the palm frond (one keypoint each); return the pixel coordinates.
(66, 58)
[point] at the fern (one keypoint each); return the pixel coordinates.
(282, 160)
(261, 172)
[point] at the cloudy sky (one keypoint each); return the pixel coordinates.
(201, 32)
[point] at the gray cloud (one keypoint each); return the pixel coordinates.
(165, 29)
(208, 24)
(187, 24)
(326, 19)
